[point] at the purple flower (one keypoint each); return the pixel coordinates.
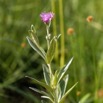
(46, 17)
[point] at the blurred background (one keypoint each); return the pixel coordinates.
(81, 24)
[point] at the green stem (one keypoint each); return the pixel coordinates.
(54, 29)
(95, 75)
(54, 21)
(62, 58)
(48, 36)
(55, 97)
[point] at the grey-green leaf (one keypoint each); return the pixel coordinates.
(33, 34)
(64, 70)
(47, 97)
(46, 74)
(41, 83)
(64, 96)
(51, 50)
(63, 84)
(38, 91)
(38, 49)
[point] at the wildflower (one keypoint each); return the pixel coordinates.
(23, 45)
(46, 17)
(70, 31)
(89, 19)
(100, 93)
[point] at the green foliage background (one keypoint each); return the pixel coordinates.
(16, 61)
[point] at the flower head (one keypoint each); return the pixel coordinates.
(89, 18)
(46, 17)
(70, 31)
(100, 93)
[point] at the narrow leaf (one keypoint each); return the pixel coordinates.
(46, 97)
(46, 74)
(40, 83)
(58, 36)
(63, 84)
(64, 96)
(38, 91)
(38, 49)
(63, 70)
(33, 34)
(84, 98)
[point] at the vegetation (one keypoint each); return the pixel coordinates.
(84, 43)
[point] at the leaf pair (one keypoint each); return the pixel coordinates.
(68, 91)
(45, 94)
(63, 71)
(63, 85)
(62, 82)
(61, 88)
